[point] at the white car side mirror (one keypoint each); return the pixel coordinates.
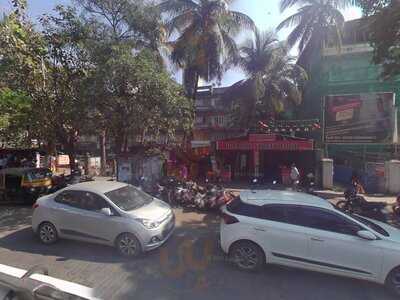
(367, 235)
(106, 211)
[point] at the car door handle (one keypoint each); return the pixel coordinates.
(315, 239)
(259, 229)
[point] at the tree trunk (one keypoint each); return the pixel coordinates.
(196, 86)
(119, 140)
(70, 148)
(125, 143)
(71, 154)
(103, 154)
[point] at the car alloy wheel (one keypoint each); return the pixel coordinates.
(393, 281)
(128, 245)
(48, 233)
(247, 256)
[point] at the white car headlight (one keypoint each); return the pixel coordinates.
(149, 224)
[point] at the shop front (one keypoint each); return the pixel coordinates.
(265, 156)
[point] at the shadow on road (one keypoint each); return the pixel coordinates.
(24, 240)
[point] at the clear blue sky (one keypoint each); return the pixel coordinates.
(265, 14)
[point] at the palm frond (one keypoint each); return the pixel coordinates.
(176, 7)
(241, 20)
(291, 21)
(285, 4)
(180, 22)
(231, 51)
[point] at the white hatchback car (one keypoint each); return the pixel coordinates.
(104, 212)
(304, 231)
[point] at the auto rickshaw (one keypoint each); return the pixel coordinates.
(24, 184)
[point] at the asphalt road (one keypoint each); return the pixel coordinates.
(189, 266)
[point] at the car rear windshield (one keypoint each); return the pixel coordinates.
(237, 206)
(129, 198)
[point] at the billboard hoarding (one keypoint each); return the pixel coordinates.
(360, 119)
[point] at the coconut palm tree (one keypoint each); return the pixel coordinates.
(205, 45)
(314, 22)
(273, 80)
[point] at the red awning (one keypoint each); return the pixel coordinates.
(287, 145)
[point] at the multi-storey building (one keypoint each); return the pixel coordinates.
(212, 119)
(358, 108)
(234, 152)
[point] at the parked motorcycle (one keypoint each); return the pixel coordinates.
(357, 204)
(190, 194)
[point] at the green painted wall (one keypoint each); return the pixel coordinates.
(343, 74)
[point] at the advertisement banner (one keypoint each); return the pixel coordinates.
(360, 119)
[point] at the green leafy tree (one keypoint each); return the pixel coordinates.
(15, 110)
(134, 23)
(48, 68)
(371, 7)
(314, 23)
(131, 91)
(140, 99)
(66, 73)
(205, 46)
(384, 27)
(22, 69)
(83, 74)
(273, 81)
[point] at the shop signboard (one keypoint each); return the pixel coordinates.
(242, 145)
(262, 137)
(62, 160)
(360, 119)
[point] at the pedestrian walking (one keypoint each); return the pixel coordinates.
(294, 175)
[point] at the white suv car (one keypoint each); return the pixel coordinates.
(304, 231)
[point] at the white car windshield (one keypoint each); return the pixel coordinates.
(368, 223)
(129, 198)
(371, 225)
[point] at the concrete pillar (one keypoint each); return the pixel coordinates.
(327, 173)
(392, 177)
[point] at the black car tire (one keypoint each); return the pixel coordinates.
(128, 245)
(47, 233)
(392, 281)
(247, 256)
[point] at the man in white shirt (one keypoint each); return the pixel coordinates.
(294, 175)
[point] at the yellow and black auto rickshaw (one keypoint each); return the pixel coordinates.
(24, 184)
